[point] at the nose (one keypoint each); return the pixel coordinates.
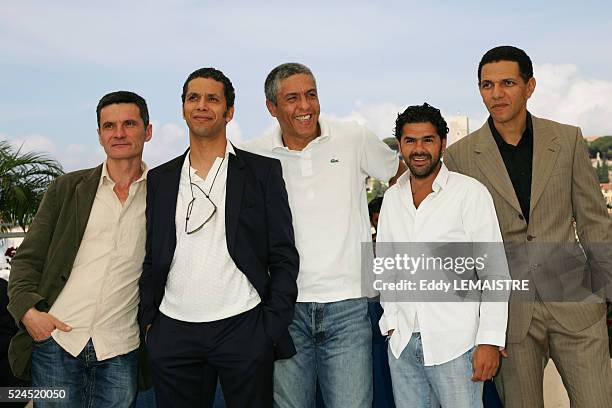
(201, 104)
(418, 146)
(303, 103)
(120, 133)
(497, 91)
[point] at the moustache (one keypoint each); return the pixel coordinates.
(420, 156)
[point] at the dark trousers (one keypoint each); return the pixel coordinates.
(187, 358)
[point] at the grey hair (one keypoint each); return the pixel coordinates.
(281, 72)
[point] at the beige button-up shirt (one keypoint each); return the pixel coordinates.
(100, 299)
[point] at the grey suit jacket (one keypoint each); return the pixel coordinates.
(564, 188)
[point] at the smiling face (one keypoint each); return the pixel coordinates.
(205, 108)
(504, 92)
(422, 148)
(297, 108)
(122, 132)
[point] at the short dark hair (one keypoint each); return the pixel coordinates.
(421, 114)
(124, 97)
(508, 53)
(212, 73)
(283, 71)
(374, 205)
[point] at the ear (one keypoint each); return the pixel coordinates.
(531, 84)
(443, 147)
(149, 132)
(99, 137)
(271, 107)
(229, 114)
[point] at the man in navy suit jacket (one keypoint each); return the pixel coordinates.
(218, 286)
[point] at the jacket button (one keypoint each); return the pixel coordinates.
(530, 237)
(63, 278)
(521, 217)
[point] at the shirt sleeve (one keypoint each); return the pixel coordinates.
(389, 319)
(377, 159)
(481, 222)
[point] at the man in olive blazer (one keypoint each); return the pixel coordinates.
(545, 193)
(57, 230)
(73, 286)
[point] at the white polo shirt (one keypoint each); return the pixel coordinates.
(326, 187)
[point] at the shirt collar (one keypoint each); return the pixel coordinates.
(229, 149)
(438, 183)
(105, 177)
(527, 136)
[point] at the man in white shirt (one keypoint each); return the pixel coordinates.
(440, 351)
(74, 280)
(325, 164)
(218, 285)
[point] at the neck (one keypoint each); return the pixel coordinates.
(203, 152)
(424, 184)
(297, 142)
(124, 172)
(512, 131)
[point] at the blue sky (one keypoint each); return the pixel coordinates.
(370, 60)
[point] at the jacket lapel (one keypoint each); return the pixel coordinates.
(167, 195)
(545, 152)
(233, 197)
(84, 197)
(492, 166)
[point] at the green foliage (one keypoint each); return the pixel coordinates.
(392, 143)
(602, 172)
(603, 146)
(24, 178)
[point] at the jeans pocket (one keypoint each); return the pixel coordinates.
(43, 341)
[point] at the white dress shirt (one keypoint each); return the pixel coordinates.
(327, 195)
(459, 209)
(100, 298)
(204, 283)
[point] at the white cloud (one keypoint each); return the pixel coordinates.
(234, 133)
(565, 95)
(71, 157)
(169, 140)
(379, 118)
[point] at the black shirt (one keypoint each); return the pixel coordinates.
(518, 160)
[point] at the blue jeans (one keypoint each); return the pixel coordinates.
(383, 390)
(448, 384)
(87, 381)
(334, 345)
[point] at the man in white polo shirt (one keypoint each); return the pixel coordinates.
(325, 164)
(440, 350)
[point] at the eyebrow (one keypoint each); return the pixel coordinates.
(297, 93)
(501, 80)
(418, 138)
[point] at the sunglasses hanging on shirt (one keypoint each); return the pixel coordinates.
(200, 212)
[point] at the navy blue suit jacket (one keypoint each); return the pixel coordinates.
(259, 232)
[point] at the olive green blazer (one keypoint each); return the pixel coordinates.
(44, 260)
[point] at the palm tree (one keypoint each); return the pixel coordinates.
(24, 178)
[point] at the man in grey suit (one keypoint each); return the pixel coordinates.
(545, 193)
